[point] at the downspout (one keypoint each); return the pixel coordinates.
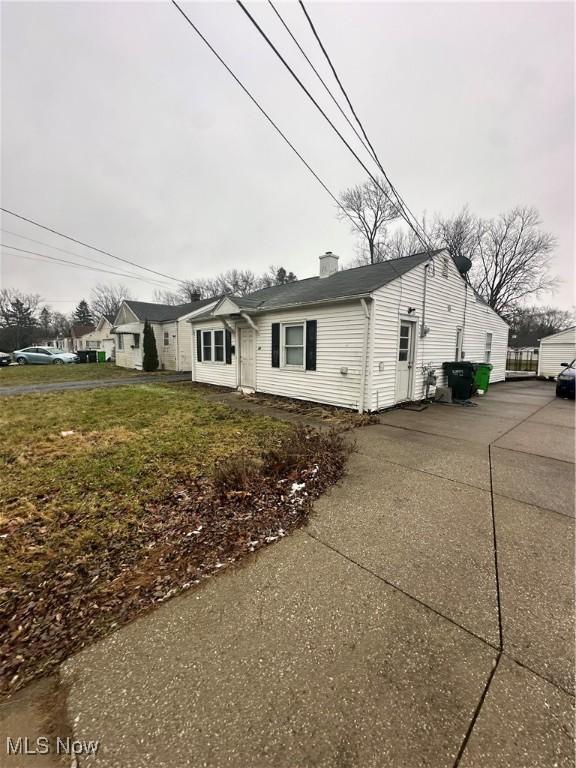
(193, 356)
(364, 363)
(177, 345)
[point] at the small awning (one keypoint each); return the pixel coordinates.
(128, 328)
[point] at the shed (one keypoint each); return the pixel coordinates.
(555, 350)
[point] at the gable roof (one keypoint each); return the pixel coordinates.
(358, 281)
(161, 313)
(81, 330)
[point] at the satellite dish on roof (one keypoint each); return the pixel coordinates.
(463, 264)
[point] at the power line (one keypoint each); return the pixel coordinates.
(263, 111)
(92, 247)
(70, 263)
(319, 76)
(373, 151)
(329, 121)
(79, 256)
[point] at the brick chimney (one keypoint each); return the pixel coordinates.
(328, 264)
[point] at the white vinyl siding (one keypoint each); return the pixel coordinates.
(339, 343)
(450, 304)
(555, 350)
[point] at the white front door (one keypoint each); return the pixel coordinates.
(405, 361)
(247, 358)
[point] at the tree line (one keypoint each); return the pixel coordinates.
(25, 319)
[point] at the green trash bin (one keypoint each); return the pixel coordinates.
(483, 377)
(101, 356)
(460, 375)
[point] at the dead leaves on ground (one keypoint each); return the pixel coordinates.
(197, 529)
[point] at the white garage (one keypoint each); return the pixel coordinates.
(555, 350)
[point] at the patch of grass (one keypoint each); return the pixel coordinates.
(16, 375)
(149, 490)
(128, 447)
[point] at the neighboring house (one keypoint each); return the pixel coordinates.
(64, 344)
(172, 332)
(556, 349)
(361, 338)
(76, 334)
(100, 338)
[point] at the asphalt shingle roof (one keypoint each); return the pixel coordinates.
(349, 282)
(161, 313)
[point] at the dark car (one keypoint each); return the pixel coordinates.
(5, 358)
(566, 380)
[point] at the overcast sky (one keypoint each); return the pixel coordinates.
(120, 128)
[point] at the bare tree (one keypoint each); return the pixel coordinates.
(168, 297)
(460, 235)
(513, 259)
(370, 209)
(106, 299)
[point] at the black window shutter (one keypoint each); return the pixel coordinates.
(310, 345)
(199, 346)
(275, 345)
(228, 343)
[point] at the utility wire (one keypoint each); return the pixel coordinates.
(373, 151)
(319, 76)
(72, 263)
(80, 256)
(266, 115)
(329, 121)
(92, 247)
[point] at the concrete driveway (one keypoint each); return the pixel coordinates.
(424, 618)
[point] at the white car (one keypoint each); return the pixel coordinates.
(43, 356)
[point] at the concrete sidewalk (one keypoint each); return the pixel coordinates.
(66, 386)
(424, 618)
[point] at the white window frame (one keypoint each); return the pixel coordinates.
(166, 338)
(213, 346)
(283, 345)
(120, 337)
(459, 344)
(488, 346)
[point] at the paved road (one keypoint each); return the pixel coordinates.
(424, 617)
(26, 389)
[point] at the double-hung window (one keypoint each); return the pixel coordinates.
(218, 341)
(213, 347)
(120, 338)
(488, 348)
(293, 345)
(166, 338)
(207, 346)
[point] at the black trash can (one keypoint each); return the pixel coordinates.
(461, 378)
(82, 355)
(91, 356)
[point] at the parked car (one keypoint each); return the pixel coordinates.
(5, 358)
(43, 356)
(566, 380)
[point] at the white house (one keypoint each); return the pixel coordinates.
(172, 332)
(556, 349)
(100, 338)
(362, 338)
